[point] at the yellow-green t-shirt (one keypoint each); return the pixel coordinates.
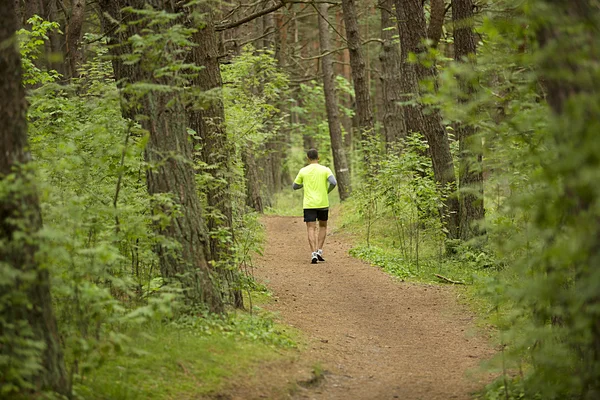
(314, 178)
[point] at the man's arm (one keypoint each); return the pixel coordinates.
(332, 183)
(298, 182)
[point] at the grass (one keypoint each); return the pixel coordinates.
(473, 267)
(191, 358)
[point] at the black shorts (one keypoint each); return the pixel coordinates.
(313, 214)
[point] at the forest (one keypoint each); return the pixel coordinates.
(148, 150)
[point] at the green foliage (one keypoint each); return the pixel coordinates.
(253, 88)
(536, 269)
(539, 256)
(31, 43)
(403, 198)
(98, 237)
(252, 85)
(96, 240)
(260, 327)
(193, 357)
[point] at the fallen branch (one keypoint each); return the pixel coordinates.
(449, 280)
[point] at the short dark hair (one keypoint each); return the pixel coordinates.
(312, 154)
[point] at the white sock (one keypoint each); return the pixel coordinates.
(314, 254)
(320, 252)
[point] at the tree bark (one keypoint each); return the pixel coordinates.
(362, 96)
(169, 155)
(333, 119)
(391, 72)
(251, 173)
(412, 26)
(56, 53)
(216, 151)
(20, 221)
(74, 33)
(273, 159)
(18, 13)
(436, 21)
(470, 173)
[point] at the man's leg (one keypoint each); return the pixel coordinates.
(310, 217)
(311, 228)
(322, 233)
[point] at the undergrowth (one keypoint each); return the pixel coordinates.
(190, 358)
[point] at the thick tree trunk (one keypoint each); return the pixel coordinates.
(362, 96)
(412, 26)
(335, 130)
(74, 33)
(208, 122)
(20, 221)
(391, 72)
(436, 21)
(470, 173)
(169, 154)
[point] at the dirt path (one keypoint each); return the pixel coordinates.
(376, 337)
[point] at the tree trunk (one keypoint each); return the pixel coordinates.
(18, 13)
(335, 131)
(251, 173)
(411, 21)
(74, 32)
(31, 8)
(169, 155)
(391, 72)
(362, 96)
(269, 41)
(274, 156)
(208, 122)
(20, 220)
(436, 21)
(470, 173)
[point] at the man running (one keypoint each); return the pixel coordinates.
(317, 181)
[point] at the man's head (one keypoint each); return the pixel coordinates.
(313, 155)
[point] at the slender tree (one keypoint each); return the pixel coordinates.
(470, 172)
(27, 285)
(271, 159)
(169, 155)
(413, 33)
(251, 174)
(391, 71)
(331, 104)
(436, 21)
(364, 109)
(74, 33)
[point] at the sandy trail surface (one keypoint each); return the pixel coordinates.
(376, 337)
